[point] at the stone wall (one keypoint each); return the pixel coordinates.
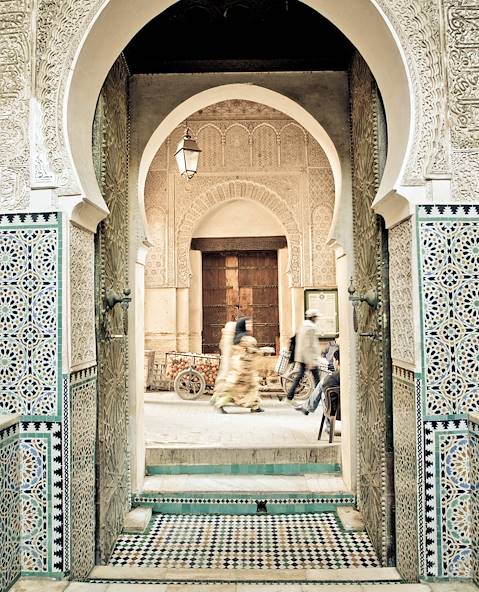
(250, 154)
(10, 525)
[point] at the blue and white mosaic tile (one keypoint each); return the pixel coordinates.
(31, 382)
(10, 506)
(41, 497)
(30, 310)
(448, 239)
(449, 276)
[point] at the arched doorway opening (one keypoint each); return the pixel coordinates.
(397, 170)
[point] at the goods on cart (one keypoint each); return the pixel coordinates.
(191, 374)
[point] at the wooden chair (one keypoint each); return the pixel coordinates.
(331, 410)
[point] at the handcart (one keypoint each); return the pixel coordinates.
(191, 374)
(288, 371)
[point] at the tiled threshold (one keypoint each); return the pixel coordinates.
(114, 573)
(241, 504)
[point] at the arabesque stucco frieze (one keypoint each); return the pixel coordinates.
(416, 23)
(15, 90)
(221, 192)
(62, 23)
(462, 51)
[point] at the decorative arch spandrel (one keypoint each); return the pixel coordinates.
(227, 191)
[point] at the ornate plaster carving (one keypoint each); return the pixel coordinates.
(462, 50)
(60, 28)
(413, 20)
(15, 89)
(83, 405)
(401, 292)
(405, 463)
(323, 262)
(465, 179)
(237, 109)
(276, 153)
(226, 191)
(82, 305)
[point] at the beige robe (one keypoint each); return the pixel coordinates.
(241, 387)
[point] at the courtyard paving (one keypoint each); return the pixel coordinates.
(171, 421)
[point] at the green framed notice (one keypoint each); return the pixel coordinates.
(326, 302)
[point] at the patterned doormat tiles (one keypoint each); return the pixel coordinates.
(296, 541)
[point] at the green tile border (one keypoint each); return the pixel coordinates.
(245, 469)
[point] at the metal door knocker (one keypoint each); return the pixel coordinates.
(110, 301)
(371, 298)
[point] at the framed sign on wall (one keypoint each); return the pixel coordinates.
(326, 302)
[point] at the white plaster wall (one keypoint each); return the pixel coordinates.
(239, 218)
(196, 302)
(160, 319)
(344, 268)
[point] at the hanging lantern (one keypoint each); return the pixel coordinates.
(187, 155)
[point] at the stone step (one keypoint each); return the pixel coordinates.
(164, 459)
(137, 520)
(238, 484)
(243, 494)
(231, 575)
(39, 584)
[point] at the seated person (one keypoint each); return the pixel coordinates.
(328, 381)
(329, 350)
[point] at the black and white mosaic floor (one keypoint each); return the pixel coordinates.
(294, 541)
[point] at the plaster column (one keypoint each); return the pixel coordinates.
(160, 319)
(196, 301)
(297, 308)
(347, 344)
(286, 329)
(182, 319)
(136, 375)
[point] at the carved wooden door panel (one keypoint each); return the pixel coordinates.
(374, 404)
(258, 282)
(215, 305)
(244, 279)
(112, 461)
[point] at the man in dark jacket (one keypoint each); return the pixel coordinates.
(332, 379)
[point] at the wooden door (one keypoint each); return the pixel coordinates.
(243, 282)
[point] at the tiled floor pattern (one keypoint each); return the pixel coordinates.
(299, 541)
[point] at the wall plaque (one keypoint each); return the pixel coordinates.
(326, 302)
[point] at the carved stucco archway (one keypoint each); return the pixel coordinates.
(339, 233)
(367, 23)
(229, 191)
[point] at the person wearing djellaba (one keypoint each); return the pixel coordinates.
(240, 388)
(226, 348)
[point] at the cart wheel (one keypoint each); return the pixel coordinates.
(190, 384)
(305, 388)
